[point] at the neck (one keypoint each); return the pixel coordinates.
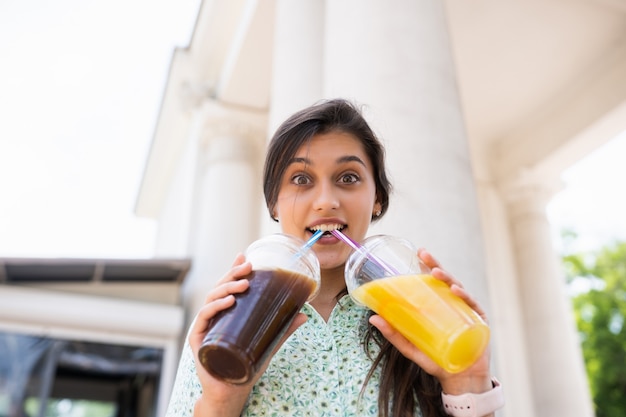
(332, 283)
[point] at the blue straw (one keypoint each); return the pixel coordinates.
(309, 243)
(312, 240)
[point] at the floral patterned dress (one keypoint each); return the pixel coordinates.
(319, 371)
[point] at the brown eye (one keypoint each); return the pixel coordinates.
(349, 178)
(300, 179)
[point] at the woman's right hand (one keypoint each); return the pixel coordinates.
(218, 397)
(221, 398)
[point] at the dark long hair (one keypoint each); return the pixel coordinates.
(403, 384)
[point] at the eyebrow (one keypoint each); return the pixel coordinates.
(340, 160)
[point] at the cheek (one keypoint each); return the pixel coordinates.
(360, 218)
(282, 203)
(289, 207)
(364, 205)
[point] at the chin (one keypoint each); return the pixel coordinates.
(331, 263)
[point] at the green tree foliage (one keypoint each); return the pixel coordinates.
(599, 302)
(71, 408)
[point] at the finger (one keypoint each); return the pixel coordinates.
(445, 276)
(239, 259)
(427, 258)
(458, 289)
(200, 324)
(469, 300)
(435, 268)
(227, 288)
(406, 348)
(388, 331)
(240, 268)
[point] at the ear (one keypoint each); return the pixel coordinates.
(377, 210)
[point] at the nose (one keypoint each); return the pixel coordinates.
(326, 197)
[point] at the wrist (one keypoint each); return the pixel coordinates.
(206, 407)
(462, 384)
(201, 408)
(474, 405)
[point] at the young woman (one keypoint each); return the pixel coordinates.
(325, 169)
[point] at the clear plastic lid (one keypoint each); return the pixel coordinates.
(281, 251)
(381, 256)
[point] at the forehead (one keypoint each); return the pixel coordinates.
(332, 144)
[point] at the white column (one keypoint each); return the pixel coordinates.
(396, 60)
(506, 320)
(297, 68)
(227, 196)
(556, 364)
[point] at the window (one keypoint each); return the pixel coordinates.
(47, 377)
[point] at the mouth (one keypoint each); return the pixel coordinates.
(326, 228)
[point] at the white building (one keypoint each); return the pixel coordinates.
(481, 105)
(89, 332)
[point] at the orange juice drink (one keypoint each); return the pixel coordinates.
(425, 311)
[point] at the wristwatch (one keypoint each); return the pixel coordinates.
(474, 405)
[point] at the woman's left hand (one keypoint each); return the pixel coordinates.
(476, 378)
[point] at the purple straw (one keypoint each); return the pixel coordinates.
(357, 247)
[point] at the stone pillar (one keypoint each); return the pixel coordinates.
(297, 68)
(556, 364)
(509, 355)
(298, 54)
(227, 195)
(396, 60)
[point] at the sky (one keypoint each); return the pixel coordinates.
(593, 200)
(81, 82)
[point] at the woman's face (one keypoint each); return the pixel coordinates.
(328, 184)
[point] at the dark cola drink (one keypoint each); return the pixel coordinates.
(241, 337)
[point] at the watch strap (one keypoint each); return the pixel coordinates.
(474, 405)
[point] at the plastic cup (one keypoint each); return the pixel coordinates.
(284, 276)
(387, 276)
